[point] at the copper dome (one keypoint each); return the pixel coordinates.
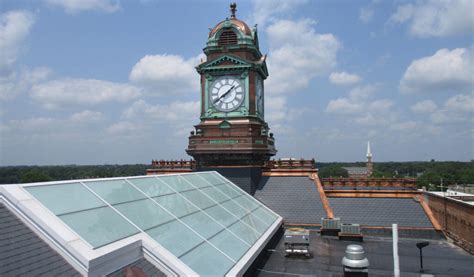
(239, 24)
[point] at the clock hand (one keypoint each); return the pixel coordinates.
(223, 95)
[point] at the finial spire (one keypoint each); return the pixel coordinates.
(369, 154)
(233, 9)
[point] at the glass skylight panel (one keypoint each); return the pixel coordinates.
(215, 194)
(115, 191)
(176, 182)
(144, 213)
(245, 232)
(65, 198)
(99, 226)
(265, 215)
(201, 218)
(221, 215)
(229, 191)
(176, 204)
(203, 224)
(198, 198)
(196, 181)
(230, 244)
(211, 178)
(234, 208)
(175, 237)
(207, 261)
(151, 186)
(246, 203)
(254, 222)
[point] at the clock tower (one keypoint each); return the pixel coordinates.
(232, 131)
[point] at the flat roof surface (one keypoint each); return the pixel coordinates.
(440, 258)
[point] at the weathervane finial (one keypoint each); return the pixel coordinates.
(233, 9)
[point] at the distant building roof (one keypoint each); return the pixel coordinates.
(353, 170)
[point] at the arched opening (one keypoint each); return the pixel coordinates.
(227, 37)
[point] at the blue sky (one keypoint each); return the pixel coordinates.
(108, 81)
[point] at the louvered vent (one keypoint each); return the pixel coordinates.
(227, 37)
(350, 229)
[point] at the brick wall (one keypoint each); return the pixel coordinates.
(456, 218)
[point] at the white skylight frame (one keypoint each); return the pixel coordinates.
(95, 260)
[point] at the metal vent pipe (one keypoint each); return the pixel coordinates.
(354, 262)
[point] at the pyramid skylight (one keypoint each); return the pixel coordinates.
(206, 222)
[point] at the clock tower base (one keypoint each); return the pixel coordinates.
(231, 142)
(246, 177)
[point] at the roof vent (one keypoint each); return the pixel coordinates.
(355, 263)
(330, 226)
(350, 229)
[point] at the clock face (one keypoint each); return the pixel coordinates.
(227, 94)
(259, 95)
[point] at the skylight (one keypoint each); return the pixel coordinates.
(201, 218)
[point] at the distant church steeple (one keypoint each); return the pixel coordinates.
(370, 166)
(369, 154)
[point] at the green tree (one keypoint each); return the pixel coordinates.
(35, 175)
(332, 171)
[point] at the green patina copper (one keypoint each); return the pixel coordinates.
(238, 66)
(223, 141)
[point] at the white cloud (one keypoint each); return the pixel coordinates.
(425, 106)
(436, 18)
(276, 109)
(356, 102)
(344, 106)
(298, 56)
(15, 83)
(65, 92)
(362, 92)
(77, 6)
(125, 127)
(33, 124)
(179, 116)
(404, 126)
(366, 14)
(344, 78)
(456, 109)
(460, 103)
(172, 112)
(361, 107)
(166, 74)
(371, 119)
(265, 11)
(14, 27)
(449, 70)
(380, 105)
(444, 117)
(86, 117)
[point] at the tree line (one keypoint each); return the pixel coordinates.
(429, 174)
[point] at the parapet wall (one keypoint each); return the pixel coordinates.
(456, 218)
(405, 183)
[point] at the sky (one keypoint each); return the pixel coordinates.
(113, 82)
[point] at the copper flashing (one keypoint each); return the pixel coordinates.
(428, 212)
(322, 195)
(372, 193)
